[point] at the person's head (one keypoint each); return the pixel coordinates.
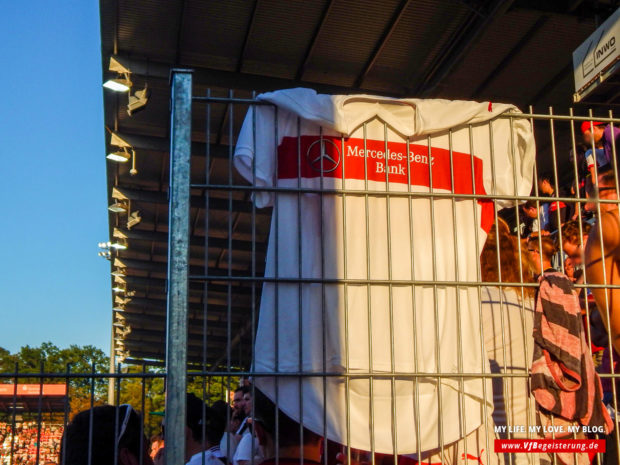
(108, 432)
(202, 422)
(247, 400)
(574, 240)
(545, 184)
(593, 129)
(238, 400)
(288, 438)
(157, 442)
(538, 254)
(604, 190)
(510, 263)
(529, 209)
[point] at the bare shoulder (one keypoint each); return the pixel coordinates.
(610, 229)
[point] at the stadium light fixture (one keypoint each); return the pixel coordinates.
(138, 101)
(119, 84)
(120, 156)
(119, 207)
(118, 289)
(120, 273)
(117, 246)
(133, 219)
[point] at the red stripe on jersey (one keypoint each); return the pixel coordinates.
(348, 158)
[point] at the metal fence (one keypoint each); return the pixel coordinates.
(238, 269)
(557, 136)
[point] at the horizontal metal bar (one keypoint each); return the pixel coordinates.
(298, 374)
(388, 194)
(388, 282)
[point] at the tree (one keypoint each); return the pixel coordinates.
(49, 359)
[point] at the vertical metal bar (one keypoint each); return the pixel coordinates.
(143, 416)
(117, 413)
(347, 387)
(112, 362)
(63, 447)
(463, 418)
(90, 414)
(14, 412)
(178, 264)
(39, 412)
(431, 190)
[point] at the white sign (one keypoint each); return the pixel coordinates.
(599, 51)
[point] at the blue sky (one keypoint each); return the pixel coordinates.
(53, 286)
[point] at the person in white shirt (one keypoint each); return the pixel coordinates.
(249, 451)
(203, 433)
(508, 321)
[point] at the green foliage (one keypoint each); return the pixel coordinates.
(145, 393)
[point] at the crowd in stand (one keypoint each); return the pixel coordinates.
(23, 439)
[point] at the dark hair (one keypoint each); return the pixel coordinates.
(288, 429)
(74, 443)
(244, 389)
(529, 204)
(545, 177)
(214, 424)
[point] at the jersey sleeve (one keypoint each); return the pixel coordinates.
(514, 158)
(255, 152)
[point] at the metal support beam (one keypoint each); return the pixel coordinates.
(302, 68)
(525, 39)
(178, 265)
(242, 81)
(246, 40)
(195, 241)
(396, 17)
(458, 46)
(215, 203)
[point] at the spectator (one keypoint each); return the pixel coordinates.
(552, 212)
(528, 219)
(157, 442)
(603, 259)
(106, 437)
(574, 240)
(248, 444)
(508, 321)
(203, 433)
(287, 444)
(602, 136)
(238, 400)
(541, 258)
(23, 441)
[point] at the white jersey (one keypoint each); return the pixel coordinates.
(366, 302)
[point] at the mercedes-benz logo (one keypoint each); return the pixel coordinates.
(319, 158)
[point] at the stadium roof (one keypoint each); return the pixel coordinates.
(516, 51)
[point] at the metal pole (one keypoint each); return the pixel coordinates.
(178, 265)
(112, 364)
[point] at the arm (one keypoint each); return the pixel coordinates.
(600, 270)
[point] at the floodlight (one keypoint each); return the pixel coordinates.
(118, 289)
(119, 84)
(118, 246)
(120, 156)
(118, 207)
(119, 273)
